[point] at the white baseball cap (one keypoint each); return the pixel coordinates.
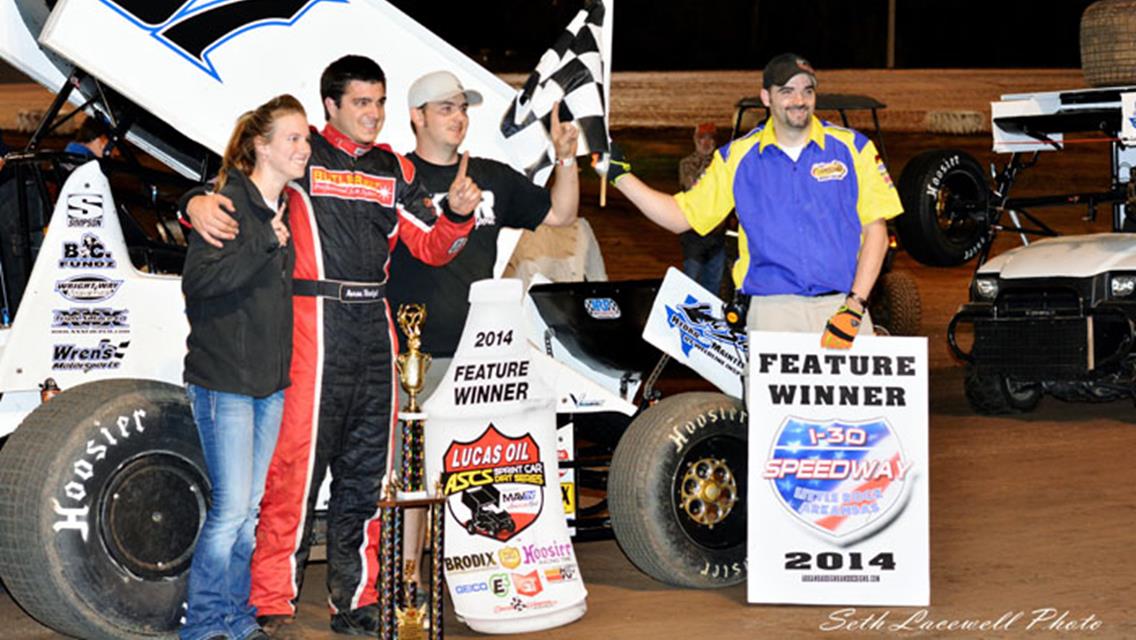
(437, 86)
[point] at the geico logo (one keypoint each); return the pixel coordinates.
(519, 496)
(471, 588)
(465, 479)
(472, 561)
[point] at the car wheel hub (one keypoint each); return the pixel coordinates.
(709, 491)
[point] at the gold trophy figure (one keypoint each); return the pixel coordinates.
(403, 520)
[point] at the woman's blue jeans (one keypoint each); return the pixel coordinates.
(238, 435)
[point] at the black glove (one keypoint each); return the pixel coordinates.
(616, 167)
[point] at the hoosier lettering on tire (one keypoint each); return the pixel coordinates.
(102, 492)
(677, 491)
(946, 204)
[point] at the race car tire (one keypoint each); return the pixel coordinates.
(946, 204)
(103, 491)
(895, 305)
(651, 522)
(1108, 46)
(997, 395)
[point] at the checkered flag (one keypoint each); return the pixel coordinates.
(573, 72)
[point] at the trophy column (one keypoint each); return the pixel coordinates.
(403, 499)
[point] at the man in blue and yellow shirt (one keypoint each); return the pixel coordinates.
(812, 200)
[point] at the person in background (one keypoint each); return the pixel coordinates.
(91, 139)
(238, 300)
(703, 256)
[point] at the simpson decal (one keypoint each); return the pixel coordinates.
(352, 185)
(828, 171)
(494, 486)
(85, 210)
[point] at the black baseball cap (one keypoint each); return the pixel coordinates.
(782, 68)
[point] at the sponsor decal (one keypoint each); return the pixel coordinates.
(471, 587)
(457, 245)
(489, 382)
(551, 553)
(352, 185)
(882, 168)
(88, 253)
(73, 509)
(842, 480)
(510, 557)
(97, 320)
(470, 562)
(582, 401)
(194, 29)
(602, 308)
(829, 171)
(85, 210)
(516, 604)
(104, 355)
(499, 584)
(494, 485)
(87, 288)
(568, 497)
(527, 584)
(564, 573)
(701, 329)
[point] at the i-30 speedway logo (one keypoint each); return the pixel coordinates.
(195, 28)
(494, 486)
(843, 480)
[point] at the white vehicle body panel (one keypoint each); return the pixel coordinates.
(1080, 256)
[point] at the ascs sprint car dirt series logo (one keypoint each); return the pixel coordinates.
(494, 486)
(842, 480)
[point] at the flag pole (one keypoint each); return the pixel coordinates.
(603, 190)
(608, 35)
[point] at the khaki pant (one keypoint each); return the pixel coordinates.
(797, 313)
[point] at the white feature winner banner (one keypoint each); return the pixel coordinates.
(839, 475)
(491, 439)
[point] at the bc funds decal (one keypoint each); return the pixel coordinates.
(494, 486)
(844, 481)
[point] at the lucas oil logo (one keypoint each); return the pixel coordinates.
(844, 481)
(88, 253)
(194, 28)
(828, 171)
(494, 485)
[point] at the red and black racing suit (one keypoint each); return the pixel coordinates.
(343, 396)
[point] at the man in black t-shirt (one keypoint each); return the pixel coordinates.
(438, 105)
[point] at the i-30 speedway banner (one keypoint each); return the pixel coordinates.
(838, 483)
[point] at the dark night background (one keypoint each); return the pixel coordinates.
(510, 35)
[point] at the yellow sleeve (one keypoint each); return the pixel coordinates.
(711, 199)
(878, 196)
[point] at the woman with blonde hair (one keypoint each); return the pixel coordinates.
(238, 300)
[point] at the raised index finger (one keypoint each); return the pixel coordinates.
(462, 167)
(556, 116)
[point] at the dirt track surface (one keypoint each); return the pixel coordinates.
(1028, 512)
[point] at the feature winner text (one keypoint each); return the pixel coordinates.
(489, 385)
(836, 364)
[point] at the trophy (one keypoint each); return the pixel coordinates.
(402, 504)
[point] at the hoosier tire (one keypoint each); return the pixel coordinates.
(896, 305)
(657, 491)
(102, 493)
(946, 205)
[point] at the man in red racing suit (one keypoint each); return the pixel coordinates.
(341, 408)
